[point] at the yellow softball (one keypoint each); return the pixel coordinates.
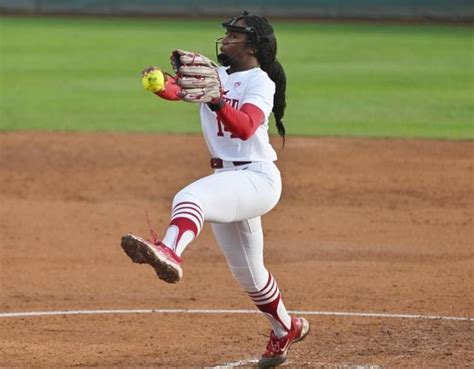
(154, 81)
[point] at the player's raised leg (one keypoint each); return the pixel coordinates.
(165, 256)
(225, 196)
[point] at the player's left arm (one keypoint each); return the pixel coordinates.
(256, 105)
(243, 122)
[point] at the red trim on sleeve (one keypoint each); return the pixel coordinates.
(170, 92)
(242, 123)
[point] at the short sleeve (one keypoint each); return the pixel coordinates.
(259, 92)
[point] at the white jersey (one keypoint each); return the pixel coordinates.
(251, 86)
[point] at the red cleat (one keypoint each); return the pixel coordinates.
(277, 348)
(166, 263)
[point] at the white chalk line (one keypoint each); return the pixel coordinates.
(241, 363)
(235, 364)
(24, 314)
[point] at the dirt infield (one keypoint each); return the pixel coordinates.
(382, 226)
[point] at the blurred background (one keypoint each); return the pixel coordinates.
(453, 10)
(372, 68)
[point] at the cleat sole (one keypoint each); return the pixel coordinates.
(140, 252)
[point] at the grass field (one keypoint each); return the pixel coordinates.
(343, 79)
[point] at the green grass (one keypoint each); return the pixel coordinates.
(343, 79)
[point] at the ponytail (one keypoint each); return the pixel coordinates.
(265, 43)
(277, 75)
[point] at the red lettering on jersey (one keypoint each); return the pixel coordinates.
(220, 127)
(232, 102)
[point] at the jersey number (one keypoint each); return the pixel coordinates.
(221, 128)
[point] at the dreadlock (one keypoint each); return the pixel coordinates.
(266, 46)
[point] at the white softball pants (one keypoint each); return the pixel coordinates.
(233, 199)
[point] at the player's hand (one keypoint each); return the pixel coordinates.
(148, 70)
(153, 79)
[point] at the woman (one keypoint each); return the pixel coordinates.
(246, 183)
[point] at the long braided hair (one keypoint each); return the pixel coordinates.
(265, 42)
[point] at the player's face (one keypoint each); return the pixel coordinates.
(232, 45)
(233, 41)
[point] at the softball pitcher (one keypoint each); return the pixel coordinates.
(236, 100)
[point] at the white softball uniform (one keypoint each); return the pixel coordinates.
(234, 197)
(251, 86)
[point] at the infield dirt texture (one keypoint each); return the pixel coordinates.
(363, 226)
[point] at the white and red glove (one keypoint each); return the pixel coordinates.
(197, 77)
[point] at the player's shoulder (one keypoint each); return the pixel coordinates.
(247, 74)
(258, 76)
(252, 79)
(258, 73)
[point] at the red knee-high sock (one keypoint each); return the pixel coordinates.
(186, 224)
(269, 301)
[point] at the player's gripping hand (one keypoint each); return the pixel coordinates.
(197, 77)
(153, 79)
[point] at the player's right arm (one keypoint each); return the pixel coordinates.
(171, 89)
(163, 84)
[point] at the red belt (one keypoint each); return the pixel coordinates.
(217, 163)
